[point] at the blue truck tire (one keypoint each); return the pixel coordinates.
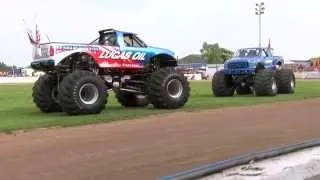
(222, 85)
(243, 90)
(265, 83)
(286, 81)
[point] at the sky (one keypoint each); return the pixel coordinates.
(293, 26)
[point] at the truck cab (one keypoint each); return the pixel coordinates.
(247, 61)
(128, 46)
(113, 49)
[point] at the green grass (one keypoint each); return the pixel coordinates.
(17, 110)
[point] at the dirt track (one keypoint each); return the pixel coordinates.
(157, 145)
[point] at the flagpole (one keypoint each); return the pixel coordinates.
(259, 11)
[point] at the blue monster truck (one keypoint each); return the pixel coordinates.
(253, 70)
(79, 75)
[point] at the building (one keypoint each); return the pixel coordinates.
(192, 61)
(4, 72)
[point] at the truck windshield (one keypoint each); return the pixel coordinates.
(248, 52)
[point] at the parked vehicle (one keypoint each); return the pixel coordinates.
(253, 70)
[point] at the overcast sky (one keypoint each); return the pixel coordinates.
(180, 25)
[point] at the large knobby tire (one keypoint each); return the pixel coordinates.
(82, 92)
(128, 99)
(167, 89)
(265, 83)
(222, 85)
(286, 81)
(243, 90)
(45, 93)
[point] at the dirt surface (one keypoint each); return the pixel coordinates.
(155, 146)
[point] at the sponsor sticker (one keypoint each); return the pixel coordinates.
(124, 55)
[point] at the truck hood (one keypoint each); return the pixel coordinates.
(245, 59)
(161, 51)
(252, 61)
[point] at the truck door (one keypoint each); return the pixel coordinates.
(138, 48)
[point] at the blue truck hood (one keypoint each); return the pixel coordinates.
(245, 59)
(161, 51)
(252, 62)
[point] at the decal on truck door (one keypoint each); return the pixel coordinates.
(124, 55)
(114, 58)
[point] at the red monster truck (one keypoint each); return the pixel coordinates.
(79, 76)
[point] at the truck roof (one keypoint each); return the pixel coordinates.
(257, 48)
(110, 30)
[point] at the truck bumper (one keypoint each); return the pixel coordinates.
(239, 71)
(43, 65)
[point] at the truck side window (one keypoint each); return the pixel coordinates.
(131, 41)
(127, 40)
(139, 41)
(109, 39)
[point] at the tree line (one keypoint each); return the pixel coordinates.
(3, 65)
(6, 68)
(214, 54)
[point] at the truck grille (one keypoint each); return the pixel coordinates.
(238, 65)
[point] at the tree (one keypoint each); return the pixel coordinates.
(214, 54)
(3, 65)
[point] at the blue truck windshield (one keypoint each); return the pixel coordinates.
(252, 52)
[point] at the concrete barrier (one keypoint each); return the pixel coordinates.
(307, 75)
(195, 76)
(303, 164)
(284, 162)
(18, 80)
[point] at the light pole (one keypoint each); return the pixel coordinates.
(259, 11)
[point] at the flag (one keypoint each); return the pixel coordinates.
(34, 40)
(31, 38)
(37, 35)
(269, 44)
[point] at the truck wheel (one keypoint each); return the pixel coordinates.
(167, 89)
(45, 94)
(82, 92)
(222, 85)
(242, 90)
(286, 81)
(128, 99)
(265, 83)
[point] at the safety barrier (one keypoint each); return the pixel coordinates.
(17, 80)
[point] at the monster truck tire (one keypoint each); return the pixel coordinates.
(242, 90)
(127, 99)
(265, 83)
(82, 92)
(222, 85)
(45, 94)
(167, 89)
(286, 81)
